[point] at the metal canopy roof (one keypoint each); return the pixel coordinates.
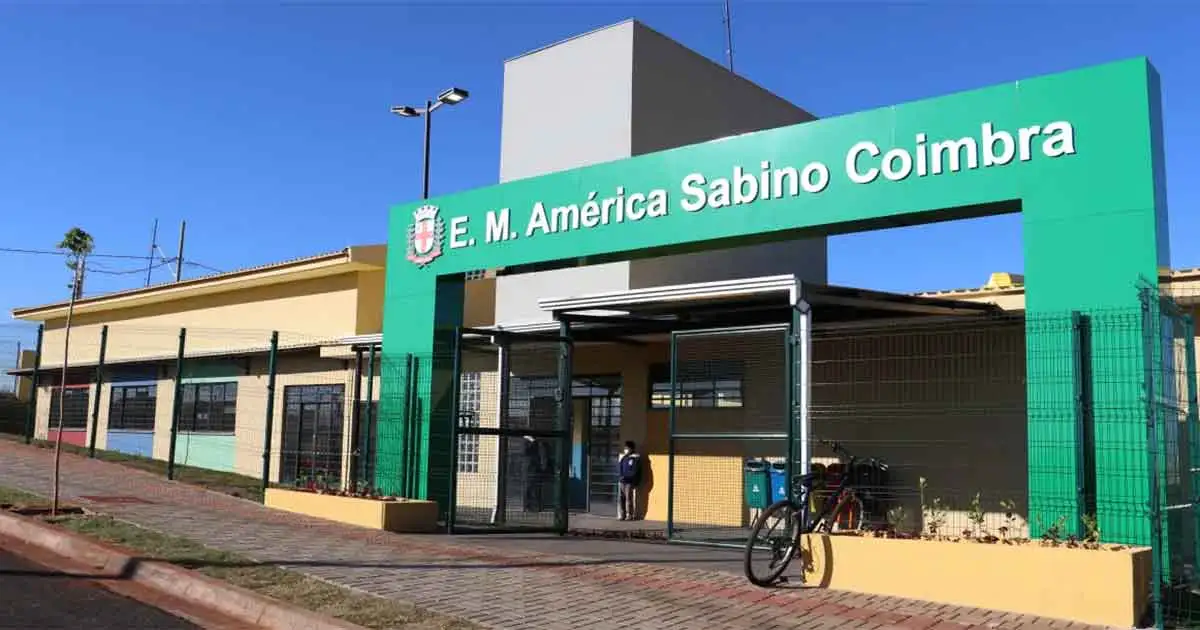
(724, 303)
(751, 301)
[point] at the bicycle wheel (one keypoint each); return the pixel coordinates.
(847, 516)
(774, 538)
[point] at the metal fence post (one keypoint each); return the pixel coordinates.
(270, 424)
(671, 438)
(1078, 370)
(356, 423)
(789, 400)
(455, 386)
(31, 413)
(407, 485)
(99, 386)
(177, 403)
(370, 420)
(504, 356)
(1193, 430)
(1154, 503)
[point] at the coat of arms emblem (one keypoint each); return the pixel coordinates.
(425, 236)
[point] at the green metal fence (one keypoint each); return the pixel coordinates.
(1172, 457)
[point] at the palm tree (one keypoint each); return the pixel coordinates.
(77, 244)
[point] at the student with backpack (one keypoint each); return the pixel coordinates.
(629, 468)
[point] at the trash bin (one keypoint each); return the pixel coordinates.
(757, 484)
(779, 485)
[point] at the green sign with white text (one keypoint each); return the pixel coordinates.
(1079, 154)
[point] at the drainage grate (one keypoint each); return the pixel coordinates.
(113, 499)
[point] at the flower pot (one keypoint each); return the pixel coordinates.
(394, 515)
(1095, 586)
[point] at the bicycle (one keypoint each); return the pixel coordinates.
(842, 510)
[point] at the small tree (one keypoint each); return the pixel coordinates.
(77, 244)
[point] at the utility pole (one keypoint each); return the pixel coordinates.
(153, 246)
(17, 379)
(179, 257)
(728, 20)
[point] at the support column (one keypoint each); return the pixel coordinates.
(503, 369)
(566, 408)
(802, 323)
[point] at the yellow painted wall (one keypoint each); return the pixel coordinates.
(25, 383)
(369, 309)
(479, 302)
(304, 311)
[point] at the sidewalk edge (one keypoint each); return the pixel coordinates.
(115, 563)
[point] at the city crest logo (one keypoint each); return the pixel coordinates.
(425, 236)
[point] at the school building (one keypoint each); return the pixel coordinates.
(701, 326)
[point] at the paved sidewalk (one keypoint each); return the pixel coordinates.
(500, 582)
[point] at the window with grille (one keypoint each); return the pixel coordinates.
(312, 434)
(131, 407)
(469, 398)
(706, 384)
(74, 407)
(208, 408)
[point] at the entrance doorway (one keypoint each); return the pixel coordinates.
(597, 443)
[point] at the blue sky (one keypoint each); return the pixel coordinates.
(266, 127)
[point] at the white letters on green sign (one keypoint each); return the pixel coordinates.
(865, 162)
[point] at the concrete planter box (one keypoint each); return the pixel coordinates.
(397, 515)
(1094, 586)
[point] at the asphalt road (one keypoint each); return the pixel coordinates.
(33, 596)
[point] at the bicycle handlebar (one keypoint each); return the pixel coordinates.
(841, 450)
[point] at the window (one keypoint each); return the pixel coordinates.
(312, 435)
(468, 417)
(74, 407)
(131, 407)
(208, 407)
(706, 384)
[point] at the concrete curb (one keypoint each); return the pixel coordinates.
(114, 563)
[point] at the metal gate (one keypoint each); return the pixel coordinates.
(511, 438)
(728, 394)
(1173, 457)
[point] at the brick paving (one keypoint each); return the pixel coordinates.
(496, 584)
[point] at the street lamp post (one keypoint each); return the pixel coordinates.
(452, 96)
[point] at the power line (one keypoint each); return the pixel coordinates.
(51, 252)
(124, 272)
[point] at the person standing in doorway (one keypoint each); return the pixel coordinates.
(629, 468)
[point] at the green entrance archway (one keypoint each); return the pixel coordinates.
(1079, 154)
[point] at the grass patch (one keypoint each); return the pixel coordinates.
(232, 484)
(269, 580)
(12, 496)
